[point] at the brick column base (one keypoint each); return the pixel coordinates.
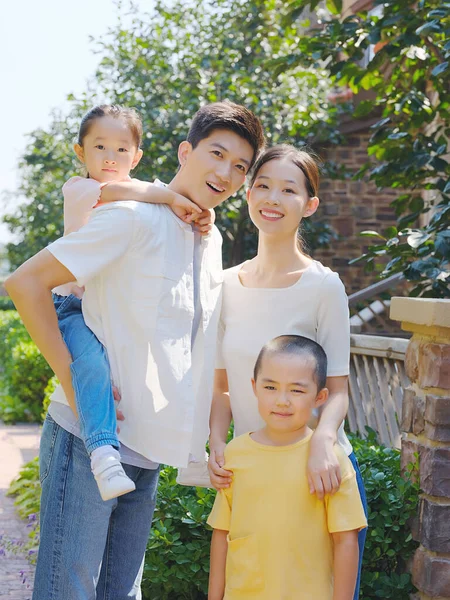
(426, 431)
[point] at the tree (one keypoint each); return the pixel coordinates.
(166, 65)
(398, 52)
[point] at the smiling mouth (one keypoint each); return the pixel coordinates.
(282, 414)
(110, 170)
(217, 189)
(271, 215)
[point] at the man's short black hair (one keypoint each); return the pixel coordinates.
(299, 345)
(231, 116)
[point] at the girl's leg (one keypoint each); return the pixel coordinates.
(94, 398)
(91, 376)
(362, 534)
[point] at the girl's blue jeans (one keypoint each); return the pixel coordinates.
(88, 548)
(362, 534)
(91, 376)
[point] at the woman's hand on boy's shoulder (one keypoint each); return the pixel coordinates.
(324, 471)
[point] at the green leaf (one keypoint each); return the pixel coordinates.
(439, 69)
(371, 234)
(427, 28)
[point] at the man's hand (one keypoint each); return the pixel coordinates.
(220, 478)
(324, 471)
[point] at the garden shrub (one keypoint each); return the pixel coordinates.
(393, 502)
(6, 303)
(24, 373)
(177, 559)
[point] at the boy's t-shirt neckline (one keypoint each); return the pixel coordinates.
(285, 448)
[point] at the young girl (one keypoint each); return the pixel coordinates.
(108, 144)
(282, 291)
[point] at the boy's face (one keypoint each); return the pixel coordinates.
(286, 391)
(216, 168)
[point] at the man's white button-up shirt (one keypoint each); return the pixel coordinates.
(136, 263)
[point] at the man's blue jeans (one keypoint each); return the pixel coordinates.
(91, 376)
(362, 534)
(88, 548)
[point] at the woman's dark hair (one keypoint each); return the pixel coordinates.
(129, 115)
(301, 346)
(305, 160)
(231, 116)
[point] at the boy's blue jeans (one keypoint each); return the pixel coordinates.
(362, 534)
(91, 377)
(88, 548)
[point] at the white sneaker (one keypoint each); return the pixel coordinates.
(111, 479)
(195, 474)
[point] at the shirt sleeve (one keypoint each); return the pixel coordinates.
(345, 511)
(220, 517)
(104, 239)
(333, 325)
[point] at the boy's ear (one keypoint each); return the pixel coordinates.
(321, 398)
(254, 386)
(79, 152)
(184, 149)
(137, 158)
(311, 206)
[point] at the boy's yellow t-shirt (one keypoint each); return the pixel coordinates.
(279, 541)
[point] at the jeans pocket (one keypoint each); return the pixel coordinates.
(243, 569)
(47, 446)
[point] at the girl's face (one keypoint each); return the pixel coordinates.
(109, 150)
(278, 199)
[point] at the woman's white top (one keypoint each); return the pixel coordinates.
(316, 306)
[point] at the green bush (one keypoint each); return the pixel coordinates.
(6, 303)
(24, 373)
(392, 505)
(177, 560)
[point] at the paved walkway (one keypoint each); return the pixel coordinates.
(18, 445)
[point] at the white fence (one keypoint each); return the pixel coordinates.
(376, 384)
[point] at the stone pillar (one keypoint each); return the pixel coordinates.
(426, 430)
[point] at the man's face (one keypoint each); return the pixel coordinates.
(216, 168)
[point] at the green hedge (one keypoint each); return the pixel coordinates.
(6, 303)
(177, 559)
(24, 373)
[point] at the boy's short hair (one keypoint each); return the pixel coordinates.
(299, 345)
(231, 116)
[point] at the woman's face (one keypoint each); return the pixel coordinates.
(278, 199)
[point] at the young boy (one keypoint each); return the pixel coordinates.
(272, 539)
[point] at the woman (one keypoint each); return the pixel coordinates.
(282, 291)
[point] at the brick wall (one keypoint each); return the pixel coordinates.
(351, 207)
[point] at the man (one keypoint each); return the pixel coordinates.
(153, 299)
